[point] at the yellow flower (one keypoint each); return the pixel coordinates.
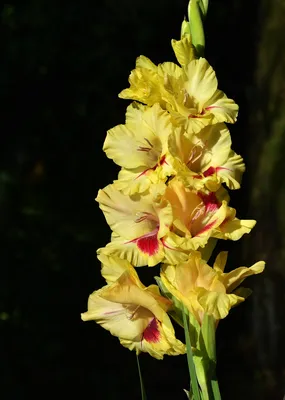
(198, 216)
(140, 147)
(206, 159)
(135, 314)
(190, 93)
(139, 223)
(203, 289)
(194, 99)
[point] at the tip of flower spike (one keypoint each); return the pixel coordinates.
(185, 28)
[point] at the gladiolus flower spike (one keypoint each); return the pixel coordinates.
(169, 205)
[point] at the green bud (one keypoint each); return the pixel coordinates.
(197, 10)
(185, 28)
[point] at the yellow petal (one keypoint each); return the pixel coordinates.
(170, 69)
(166, 345)
(212, 223)
(137, 180)
(123, 147)
(231, 171)
(144, 62)
(134, 217)
(235, 228)
(115, 317)
(130, 251)
(206, 158)
(222, 108)
(173, 254)
(113, 267)
(236, 277)
(214, 303)
(202, 82)
(125, 291)
(183, 50)
(220, 262)
(142, 141)
(144, 87)
(167, 275)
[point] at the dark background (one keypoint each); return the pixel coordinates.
(62, 67)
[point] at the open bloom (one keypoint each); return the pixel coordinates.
(190, 93)
(198, 216)
(139, 223)
(140, 147)
(206, 159)
(135, 314)
(203, 289)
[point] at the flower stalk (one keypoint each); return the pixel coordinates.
(143, 392)
(191, 366)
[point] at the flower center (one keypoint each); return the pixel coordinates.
(153, 151)
(195, 154)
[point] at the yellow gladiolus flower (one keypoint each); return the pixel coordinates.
(206, 159)
(135, 314)
(139, 223)
(190, 93)
(140, 147)
(203, 289)
(198, 216)
(194, 99)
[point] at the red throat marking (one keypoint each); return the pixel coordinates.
(151, 334)
(210, 201)
(160, 162)
(148, 243)
(210, 171)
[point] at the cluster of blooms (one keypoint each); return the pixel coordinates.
(170, 204)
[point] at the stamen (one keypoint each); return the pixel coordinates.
(141, 216)
(148, 142)
(130, 317)
(196, 152)
(198, 114)
(147, 149)
(197, 212)
(143, 149)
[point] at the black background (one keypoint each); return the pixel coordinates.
(62, 67)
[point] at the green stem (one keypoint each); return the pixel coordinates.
(191, 366)
(143, 393)
(216, 389)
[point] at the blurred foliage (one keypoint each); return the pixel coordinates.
(63, 64)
